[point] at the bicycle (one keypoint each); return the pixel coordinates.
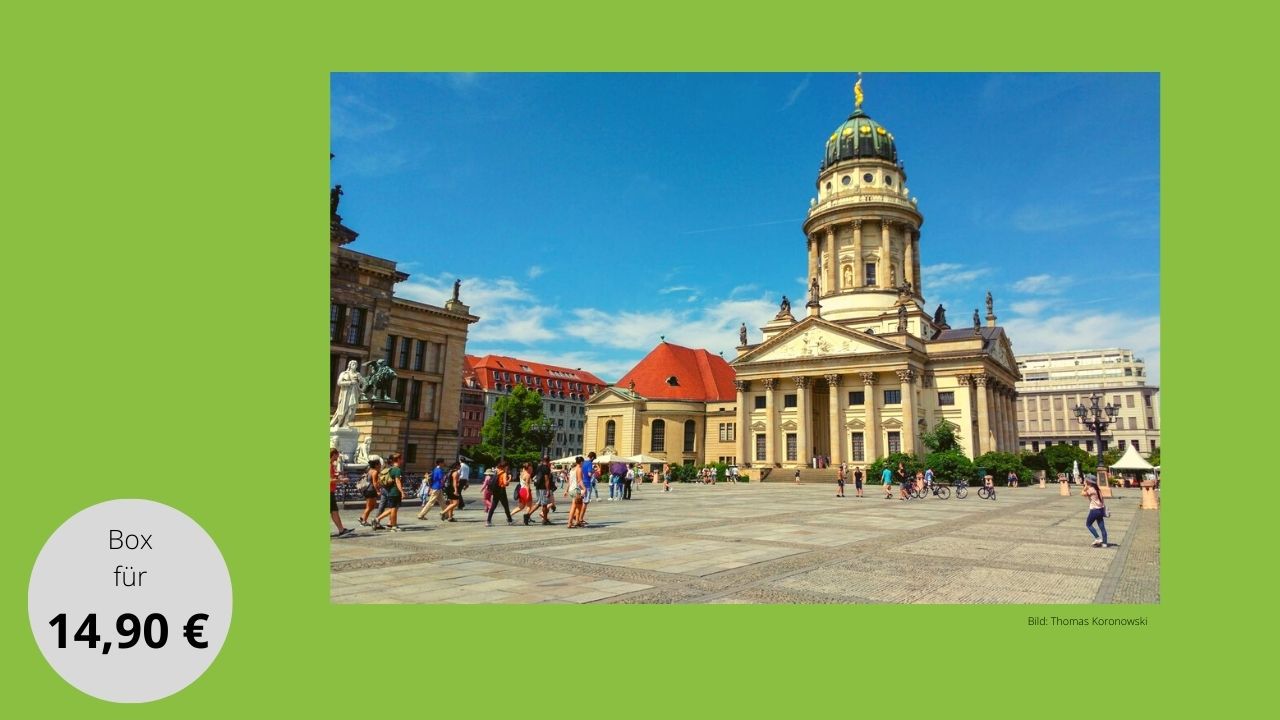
(938, 490)
(987, 493)
(961, 488)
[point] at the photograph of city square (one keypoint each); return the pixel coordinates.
(686, 338)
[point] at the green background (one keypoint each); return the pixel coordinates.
(164, 178)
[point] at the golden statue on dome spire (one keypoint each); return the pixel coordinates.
(857, 93)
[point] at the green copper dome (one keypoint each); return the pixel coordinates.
(859, 137)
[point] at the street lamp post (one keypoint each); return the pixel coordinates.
(1097, 418)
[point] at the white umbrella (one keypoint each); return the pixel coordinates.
(644, 459)
(1075, 470)
(565, 460)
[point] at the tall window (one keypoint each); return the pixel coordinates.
(389, 349)
(337, 313)
(419, 355)
(791, 447)
(658, 437)
(760, 447)
(1136, 446)
(355, 326)
(728, 432)
(859, 448)
(895, 442)
(410, 453)
(610, 430)
(405, 345)
(857, 397)
(947, 398)
(761, 401)
(402, 388)
(690, 435)
(870, 270)
(429, 402)
(415, 398)
(1121, 445)
(1128, 401)
(789, 401)
(892, 397)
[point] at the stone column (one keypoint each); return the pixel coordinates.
(1010, 421)
(908, 410)
(858, 278)
(837, 418)
(813, 257)
(872, 433)
(886, 257)
(744, 422)
(909, 258)
(770, 421)
(983, 442)
(833, 263)
(915, 271)
(802, 420)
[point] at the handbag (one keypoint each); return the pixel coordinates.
(364, 483)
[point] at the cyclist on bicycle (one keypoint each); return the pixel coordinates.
(989, 483)
(928, 478)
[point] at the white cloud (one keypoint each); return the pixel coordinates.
(535, 271)
(674, 288)
(351, 117)
(949, 275)
(1028, 307)
(1042, 284)
(506, 310)
(796, 92)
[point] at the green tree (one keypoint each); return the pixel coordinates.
(950, 465)
(516, 429)
(1058, 459)
(941, 438)
(1034, 462)
(998, 465)
(910, 464)
(1111, 457)
(1155, 457)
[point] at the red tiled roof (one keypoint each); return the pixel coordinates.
(521, 372)
(699, 375)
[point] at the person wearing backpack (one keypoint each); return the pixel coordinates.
(544, 486)
(393, 493)
(368, 487)
(498, 490)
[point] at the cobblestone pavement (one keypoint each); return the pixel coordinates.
(753, 543)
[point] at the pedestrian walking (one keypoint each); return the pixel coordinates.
(797, 477)
(435, 494)
(886, 477)
(627, 481)
(575, 490)
(335, 468)
(524, 493)
(453, 493)
(1097, 513)
(857, 481)
(368, 487)
(544, 485)
(392, 494)
(666, 477)
(498, 493)
(840, 481)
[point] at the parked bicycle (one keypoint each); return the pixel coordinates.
(987, 493)
(938, 490)
(961, 488)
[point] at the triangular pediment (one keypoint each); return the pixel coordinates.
(892, 424)
(815, 337)
(758, 426)
(613, 396)
(789, 425)
(855, 424)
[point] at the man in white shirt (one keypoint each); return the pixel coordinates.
(464, 472)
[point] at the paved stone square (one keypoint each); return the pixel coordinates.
(770, 543)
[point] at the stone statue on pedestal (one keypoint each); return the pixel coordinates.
(784, 308)
(989, 302)
(334, 194)
(349, 386)
(813, 290)
(902, 318)
(378, 381)
(742, 335)
(457, 287)
(940, 316)
(977, 322)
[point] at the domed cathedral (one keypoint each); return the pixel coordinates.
(865, 370)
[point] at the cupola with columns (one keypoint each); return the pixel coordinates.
(863, 227)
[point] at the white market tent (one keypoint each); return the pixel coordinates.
(645, 459)
(1131, 461)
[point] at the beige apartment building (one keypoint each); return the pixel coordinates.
(1054, 383)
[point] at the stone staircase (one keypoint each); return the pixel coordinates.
(807, 475)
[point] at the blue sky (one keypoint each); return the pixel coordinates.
(590, 214)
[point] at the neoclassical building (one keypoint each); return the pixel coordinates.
(675, 405)
(864, 369)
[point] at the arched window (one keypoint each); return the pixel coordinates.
(690, 434)
(658, 438)
(609, 431)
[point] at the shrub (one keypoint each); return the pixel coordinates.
(998, 465)
(950, 465)
(910, 464)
